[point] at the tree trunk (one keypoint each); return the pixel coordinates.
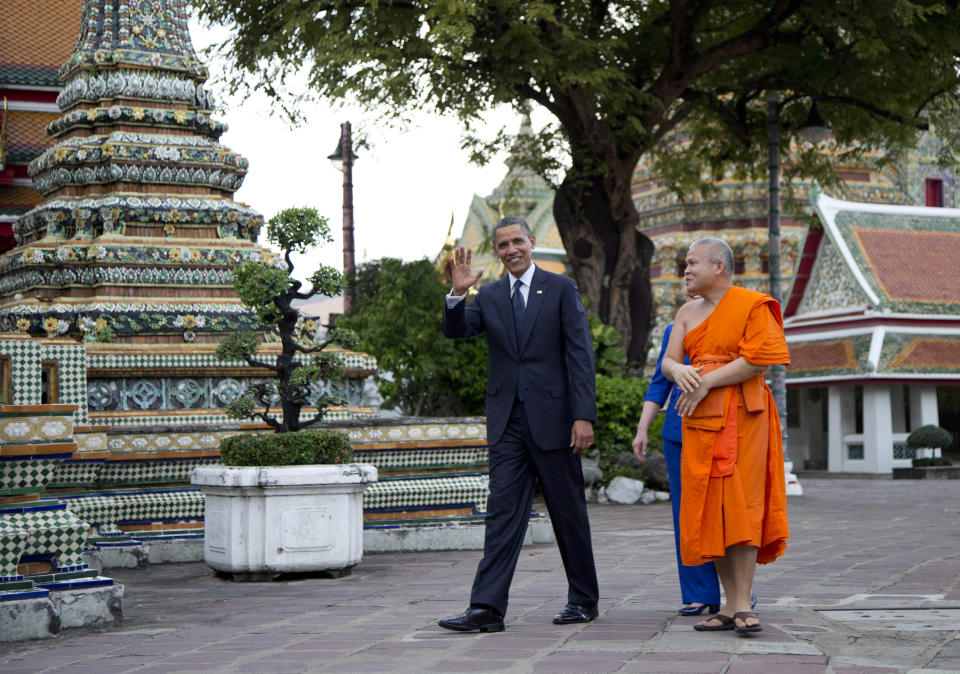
(598, 221)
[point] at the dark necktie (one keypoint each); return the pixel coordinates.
(518, 309)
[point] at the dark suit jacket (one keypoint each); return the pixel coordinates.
(553, 370)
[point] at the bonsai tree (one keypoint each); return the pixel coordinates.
(269, 290)
(930, 436)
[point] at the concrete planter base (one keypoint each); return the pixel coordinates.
(260, 522)
(927, 473)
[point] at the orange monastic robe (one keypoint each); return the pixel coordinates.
(734, 492)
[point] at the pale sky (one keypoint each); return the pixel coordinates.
(405, 186)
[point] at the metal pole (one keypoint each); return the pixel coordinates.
(778, 373)
(347, 212)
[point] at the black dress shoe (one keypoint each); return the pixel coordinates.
(475, 618)
(575, 613)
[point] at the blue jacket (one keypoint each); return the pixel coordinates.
(552, 371)
(661, 387)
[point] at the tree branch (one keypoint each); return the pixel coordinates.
(259, 363)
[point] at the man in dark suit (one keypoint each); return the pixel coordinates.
(541, 406)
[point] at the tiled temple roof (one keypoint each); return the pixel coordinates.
(896, 254)
(882, 301)
(35, 45)
(26, 136)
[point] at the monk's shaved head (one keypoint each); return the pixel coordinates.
(717, 250)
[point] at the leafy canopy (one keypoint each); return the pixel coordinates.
(396, 309)
(682, 84)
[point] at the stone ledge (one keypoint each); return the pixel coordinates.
(409, 538)
(26, 619)
(444, 536)
(927, 473)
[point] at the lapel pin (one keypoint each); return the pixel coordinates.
(539, 292)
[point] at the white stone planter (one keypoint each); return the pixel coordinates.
(260, 522)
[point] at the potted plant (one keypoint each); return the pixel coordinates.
(928, 443)
(288, 501)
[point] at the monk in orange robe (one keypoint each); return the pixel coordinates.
(734, 507)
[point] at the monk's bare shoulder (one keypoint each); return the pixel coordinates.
(688, 316)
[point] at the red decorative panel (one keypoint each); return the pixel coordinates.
(912, 266)
(822, 356)
(929, 352)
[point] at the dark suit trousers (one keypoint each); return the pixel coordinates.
(515, 462)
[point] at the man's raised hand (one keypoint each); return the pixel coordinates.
(462, 275)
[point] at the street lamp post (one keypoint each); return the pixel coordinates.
(814, 130)
(343, 158)
(778, 373)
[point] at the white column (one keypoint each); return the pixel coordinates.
(898, 409)
(923, 406)
(877, 429)
(840, 420)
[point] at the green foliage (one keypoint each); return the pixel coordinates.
(327, 281)
(105, 334)
(397, 311)
(609, 358)
(257, 285)
(619, 401)
(930, 436)
(241, 407)
(298, 230)
(345, 338)
(269, 291)
(933, 461)
(286, 449)
(238, 346)
(623, 82)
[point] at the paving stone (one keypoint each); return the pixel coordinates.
(847, 554)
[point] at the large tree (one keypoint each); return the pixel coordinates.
(621, 80)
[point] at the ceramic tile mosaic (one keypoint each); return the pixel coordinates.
(71, 362)
(133, 421)
(111, 509)
(25, 358)
(26, 475)
(423, 457)
(100, 360)
(144, 473)
(13, 541)
(76, 474)
(36, 429)
(417, 432)
(469, 489)
(52, 531)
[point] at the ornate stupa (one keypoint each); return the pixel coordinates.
(138, 231)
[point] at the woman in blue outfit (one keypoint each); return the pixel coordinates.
(699, 588)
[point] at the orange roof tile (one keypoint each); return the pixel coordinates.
(905, 263)
(822, 356)
(19, 197)
(28, 129)
(924, 352)
(39, 33)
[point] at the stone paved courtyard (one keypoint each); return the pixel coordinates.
(870, 583)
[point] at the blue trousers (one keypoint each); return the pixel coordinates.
(697, 583)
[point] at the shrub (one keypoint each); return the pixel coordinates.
(619, 401)
(930, 436)
(295, 448)
(937, 461)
